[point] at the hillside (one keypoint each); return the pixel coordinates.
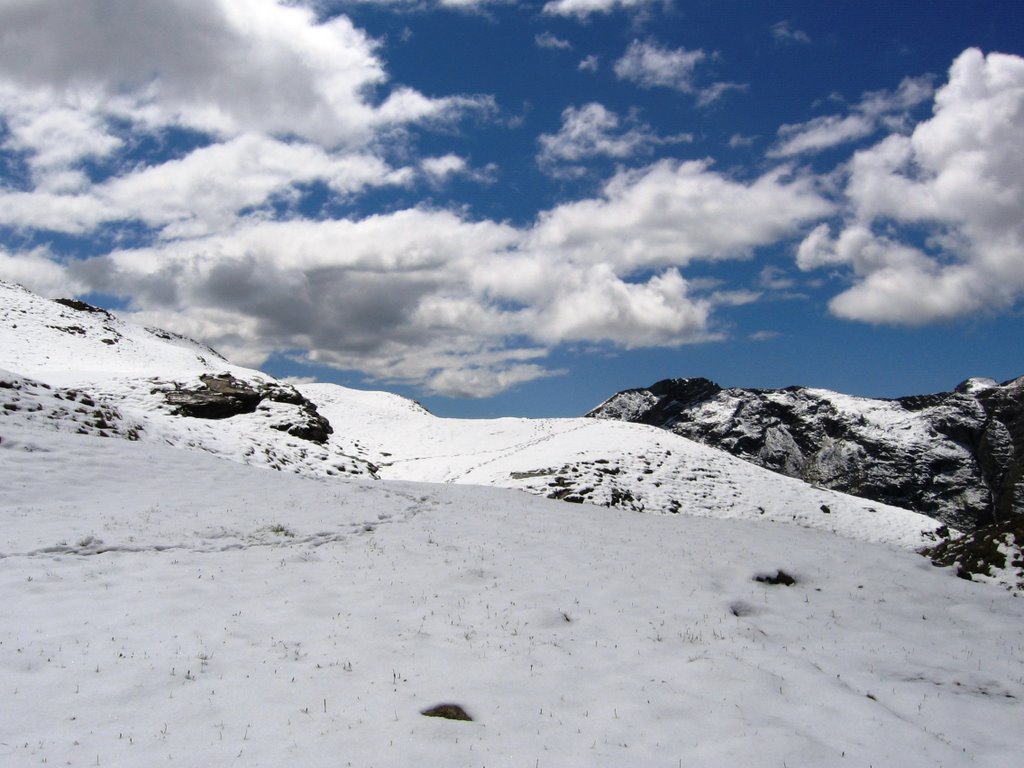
(72, 367)
(168, 598)
(956, 456)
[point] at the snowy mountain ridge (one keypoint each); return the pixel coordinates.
(957, 456)
(156, 387)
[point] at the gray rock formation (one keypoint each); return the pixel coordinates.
(222, 396)
(956, 456)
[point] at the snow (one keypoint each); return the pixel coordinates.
(600, 462)
(169, 606)
(977, 384)
(167, 599)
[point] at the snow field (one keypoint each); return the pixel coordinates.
(164, 606)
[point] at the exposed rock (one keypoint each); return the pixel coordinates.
(448, 712)
(994, 553)
(222, 396)
(956, 456)
(82, 306)
(780, 577)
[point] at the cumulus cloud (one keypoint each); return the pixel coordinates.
(936, 223)
(594, 131)
(671, 213)
(220, 66)
(440, 169)
(280, 99)
(549, 40)
(589, 64)
(53, 137)
(876, 110)
(449, 304)
(37, 271)
(202, 191)
(583, 8)
(650, 65)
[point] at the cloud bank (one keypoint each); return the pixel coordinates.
(959, 179)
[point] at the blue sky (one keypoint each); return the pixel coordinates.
(505, 208)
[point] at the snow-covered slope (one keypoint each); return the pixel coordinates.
(155, 387)
(956, 456)
(65, 364)
(629, 466)
(169, 601)
(164, 606)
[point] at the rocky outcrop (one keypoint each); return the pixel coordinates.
(956, 456)
(222, 396)
(994, 553)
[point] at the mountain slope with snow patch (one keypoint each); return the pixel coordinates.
(956, 456)
(156, 387)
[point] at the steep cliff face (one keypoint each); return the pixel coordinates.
(957, 456)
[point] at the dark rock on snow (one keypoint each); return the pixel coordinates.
(222, 396)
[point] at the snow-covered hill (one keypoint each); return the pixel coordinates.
(169, 600)
(67, 365)
(957, 456)
(74, 367)
(169, 606)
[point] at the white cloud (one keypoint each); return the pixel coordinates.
(440, 169)
(54, 138)
(715, 91)
(671, 213)
(281, 100)
(650, 65)
(772, 278)
(484, 380)
(599, 306)
(203, 191)
(221, 66)
(739, 140)
(821, 133)
(470, 4)
(875, 110)
(594, 131)
(549, 40)
(784, 33)
(959, 179)
(589, 64)
(583, 8)
(37, 271)
(451, 305)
